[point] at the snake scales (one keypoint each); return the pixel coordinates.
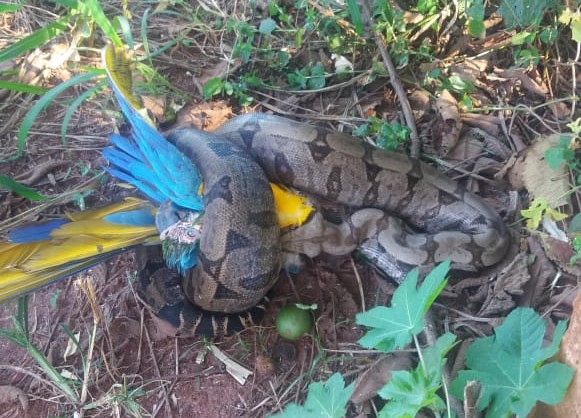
(385, 199)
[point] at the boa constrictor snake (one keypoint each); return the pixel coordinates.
(397, 211)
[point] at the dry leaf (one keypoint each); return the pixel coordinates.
(469, 70)
(542, 272)
(446, 129)
(488, 123)
(8, 396)
(206, 116)
(532, 171)
(570, 354)
(156, 105)
(527, 82)
(509, 284)
(378, 375)
(561, 252)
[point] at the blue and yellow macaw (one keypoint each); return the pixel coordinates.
(35, 255)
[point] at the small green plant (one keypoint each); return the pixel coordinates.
(79, 19)
(540, 207)
(388, 136)
(393, 328)
(19, 335)
(120, 397)
(564, 151)
(328, 399)
(512, 367)
(575, 231)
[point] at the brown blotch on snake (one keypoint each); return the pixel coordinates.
(381, 194)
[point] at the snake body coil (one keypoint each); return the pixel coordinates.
(386, 197)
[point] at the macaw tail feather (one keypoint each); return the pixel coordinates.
(150, 163)
(41, 253)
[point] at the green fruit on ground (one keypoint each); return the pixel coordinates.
(292, 322)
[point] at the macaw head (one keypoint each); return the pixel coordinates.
(180, 233)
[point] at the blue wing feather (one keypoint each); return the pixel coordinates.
(163, 166)
(35, 232)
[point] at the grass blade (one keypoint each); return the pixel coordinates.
(9, 183)
(24, 88)
(92, 9)
(74, 106)
(43, 102)
(35, 39)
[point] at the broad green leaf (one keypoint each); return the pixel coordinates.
(573, 19)
(575, 224)
(554, 157)
(317, 80)
(394, 327)
(510, 367)
(476, 27)
(267, 26)
(476, 10)
(324, 400)
(212, 87)
(576, 29)
(408, 392)
(524, 13)
(35, 39)
(21, 190)
(522, 37)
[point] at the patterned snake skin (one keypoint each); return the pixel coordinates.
(399, 212)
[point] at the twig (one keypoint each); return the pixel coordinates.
(359, 284)
(399, 90)
(430, 333)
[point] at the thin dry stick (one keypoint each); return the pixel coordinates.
(34, 376)
(398, 87)
(359, 285)
(165, 399)
(430, 333)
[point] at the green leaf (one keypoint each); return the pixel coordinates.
(24, 88)
(353, 10)
(75, 105)
(317, 80)
(92, 9)
(538, 208)
(35, 39)
(573, 19)
(576, 30)
(554, 157)
(476, 10)
(510, 367)
(521, 38)
(9, 8)
(267, 26)
(408, 392)
(476, 27)
(394, 327)
(47, 99)
(575, 224)
(212, 87)
(327, 400)
(524, 13)
(21, 190)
